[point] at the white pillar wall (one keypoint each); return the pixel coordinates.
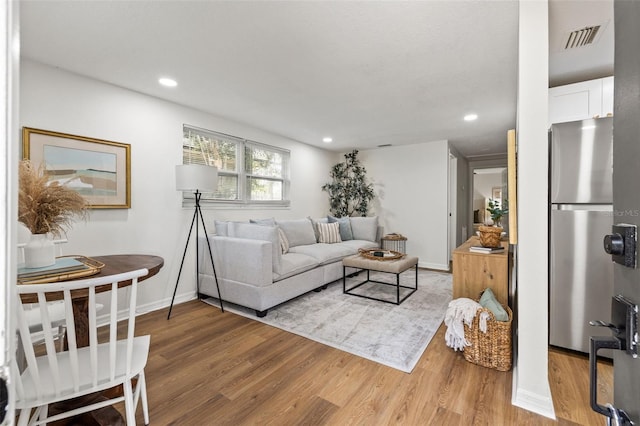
(531, 383)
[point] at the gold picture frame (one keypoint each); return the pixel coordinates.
(97, 169)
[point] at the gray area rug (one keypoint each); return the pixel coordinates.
(393, 335)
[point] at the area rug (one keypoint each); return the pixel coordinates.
(393, 335)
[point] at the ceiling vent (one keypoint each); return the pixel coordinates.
(582, 37)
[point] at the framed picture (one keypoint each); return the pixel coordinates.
(99, 170)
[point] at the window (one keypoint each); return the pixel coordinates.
(248, 172)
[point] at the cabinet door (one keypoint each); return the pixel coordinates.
(576, 101)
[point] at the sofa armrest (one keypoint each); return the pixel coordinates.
(238, 259)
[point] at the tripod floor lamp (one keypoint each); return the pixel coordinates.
(196, 178)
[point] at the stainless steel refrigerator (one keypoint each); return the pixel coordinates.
(581, 212)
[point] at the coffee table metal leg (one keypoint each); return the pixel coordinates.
(344, 279)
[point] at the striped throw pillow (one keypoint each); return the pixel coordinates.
(329, 233)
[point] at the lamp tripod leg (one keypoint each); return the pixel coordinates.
(193, 220)
(215, 276)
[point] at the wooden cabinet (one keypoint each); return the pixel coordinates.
(579, 101)
(473, 272)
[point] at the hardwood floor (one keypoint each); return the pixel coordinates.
(209, 368)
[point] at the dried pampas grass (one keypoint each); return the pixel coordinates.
(46, 207)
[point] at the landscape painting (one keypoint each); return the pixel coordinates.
(97, 169)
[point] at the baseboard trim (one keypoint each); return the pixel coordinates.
(164, 303)
(438, 266)
(530, 401)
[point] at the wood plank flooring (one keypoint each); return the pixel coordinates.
(210, 368)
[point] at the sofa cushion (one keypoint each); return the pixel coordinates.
(293, 264)
(325, 253)
(364, 228)
(260, 232)
(354, 245)
(345, 227)
(298, 231)
(329, 233)
(221, 228)
(284, 242)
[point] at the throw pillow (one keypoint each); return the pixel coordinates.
(299, 232)
(345, 227)
(314, 223)
(329, 232)
(488, 300)
(284, 242)
(364, 228)
(268, 221)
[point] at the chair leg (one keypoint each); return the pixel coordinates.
(143, 394)
(130, 409)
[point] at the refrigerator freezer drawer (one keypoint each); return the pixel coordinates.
(581, 276)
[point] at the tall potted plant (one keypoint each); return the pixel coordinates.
(46, 209)
(490, 235)
(349, 192)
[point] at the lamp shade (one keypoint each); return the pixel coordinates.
(196, 177)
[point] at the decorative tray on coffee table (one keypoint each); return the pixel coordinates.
(379, 254)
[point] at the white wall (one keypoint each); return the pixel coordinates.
(156, 223)
(531, 384)
(410, 183)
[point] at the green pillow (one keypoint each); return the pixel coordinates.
(489, 301)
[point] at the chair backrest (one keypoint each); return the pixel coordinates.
(48, 375)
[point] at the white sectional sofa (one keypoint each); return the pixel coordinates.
(262, 264)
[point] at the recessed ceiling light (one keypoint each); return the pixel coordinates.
(167, 82)
(327, 140)
(470, 117)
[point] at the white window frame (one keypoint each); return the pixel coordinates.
(241, 173)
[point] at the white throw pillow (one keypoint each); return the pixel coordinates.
(329, 233)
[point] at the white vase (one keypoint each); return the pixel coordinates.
(39, 252)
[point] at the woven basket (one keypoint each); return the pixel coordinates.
(490, 236)
(492, 349)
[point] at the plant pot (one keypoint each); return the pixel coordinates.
(490, 236)
(39, 252)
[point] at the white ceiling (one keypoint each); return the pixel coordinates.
(365, 73)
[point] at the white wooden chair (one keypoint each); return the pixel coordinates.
(107, 362)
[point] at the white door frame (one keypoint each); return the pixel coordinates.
(9, 129)
(453, 205)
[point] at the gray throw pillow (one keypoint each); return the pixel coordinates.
(299, 232)
(364, 228)
(345, 227)
(488, 300)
